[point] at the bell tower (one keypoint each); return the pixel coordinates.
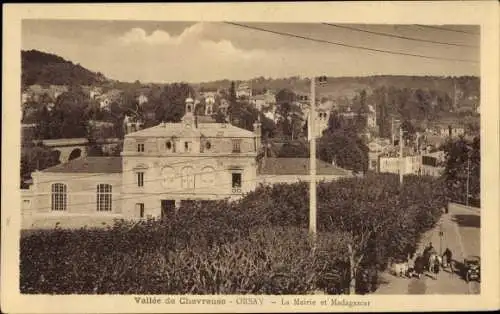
(188, 118)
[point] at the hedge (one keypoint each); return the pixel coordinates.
(256, 245)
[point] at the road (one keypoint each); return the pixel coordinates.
(461, 234)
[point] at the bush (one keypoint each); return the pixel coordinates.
(256, 245)
(270, 261)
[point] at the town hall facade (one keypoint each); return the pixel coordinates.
(160, 168)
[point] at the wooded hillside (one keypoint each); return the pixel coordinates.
(49, 69)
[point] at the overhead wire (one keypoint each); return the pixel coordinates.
(336, 43)
(399, 36)
(441, 28)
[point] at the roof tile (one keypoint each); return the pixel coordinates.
(89, 165)
(298, 166)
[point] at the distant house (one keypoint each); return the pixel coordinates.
(224, 106)
(408, 164)
(94, 92)
(452, 129)
(271, 114)
(210, 97)
(433, 163)
(302, 99)
(142, 99)
(105, 100)
(371, 117)
(376, 148)
(56, 90)
(244, 90)
(258, 101)
(35, 92)
(25, 97)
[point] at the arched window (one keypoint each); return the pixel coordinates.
(168, 175)
(104, 197)
(208, 176)
(59, 197)
(187, 178)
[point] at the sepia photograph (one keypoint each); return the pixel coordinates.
(330, 161)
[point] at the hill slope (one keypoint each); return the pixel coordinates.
(43, 68)
(350, 86)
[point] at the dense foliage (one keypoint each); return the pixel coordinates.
(463, 170)
(258, 244)
(36, 157)
(341, 143)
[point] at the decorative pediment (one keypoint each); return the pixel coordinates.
(141, 166)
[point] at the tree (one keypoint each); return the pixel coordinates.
(219, 116)
(290, 120)
(233, 103)
(409, 130)
(297, 149)
(172, 102)
(379, 220)
(36, 158)
(341, 144)
(462, 166)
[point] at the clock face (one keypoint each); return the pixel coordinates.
(168, 175)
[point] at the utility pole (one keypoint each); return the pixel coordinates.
(392, 130)
(312, 161)
(401, 159)
(468, 176)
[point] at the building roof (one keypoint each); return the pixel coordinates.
(205, 119)
(258, 97)
(203, 129)
(298, 166)
(89, 165)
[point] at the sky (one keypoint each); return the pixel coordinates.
(163, 52)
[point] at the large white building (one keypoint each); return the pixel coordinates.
(160, 168)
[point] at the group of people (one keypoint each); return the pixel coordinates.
(430, 261)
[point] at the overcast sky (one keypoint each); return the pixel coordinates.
(195, 52)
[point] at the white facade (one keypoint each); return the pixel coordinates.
(407, 164)
(172, 162)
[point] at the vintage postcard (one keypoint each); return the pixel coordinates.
(244, 157)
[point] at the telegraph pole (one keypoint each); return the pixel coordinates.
(468, 176)
(401, 159)
(312, 162)
(392, 130)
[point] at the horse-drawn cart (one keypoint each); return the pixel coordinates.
(472, 268)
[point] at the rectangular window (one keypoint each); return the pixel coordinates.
(140, 148)
(236, 182)
(140, 209)
(104, 197)
(26, 204)
(59, 196)
(140, 179)
(236, 146)
(187, 147)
